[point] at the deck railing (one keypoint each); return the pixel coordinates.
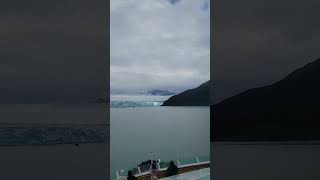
(162, 166)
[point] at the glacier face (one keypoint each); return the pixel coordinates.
(134, 104)
(136, 100)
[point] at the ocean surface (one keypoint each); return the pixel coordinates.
(140, 131)
(50, 124)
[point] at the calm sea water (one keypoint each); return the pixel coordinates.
(171, 133)
(43, 124)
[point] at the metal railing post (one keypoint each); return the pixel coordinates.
(159, 163)
(197, 159)
(139, 170)
(178, 163)
(117, 173)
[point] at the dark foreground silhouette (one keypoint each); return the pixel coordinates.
(286, 110)
(172, 169)
(131, 176)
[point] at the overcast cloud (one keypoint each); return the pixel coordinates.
(159, 44)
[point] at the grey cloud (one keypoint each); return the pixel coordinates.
(156, 45)
(173, 2)
(205, 6)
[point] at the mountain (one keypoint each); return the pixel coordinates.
(193, 97)
(158, 92)
(286, 110)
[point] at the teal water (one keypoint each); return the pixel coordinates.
(53, 124)
(171, 133)
(205, 178)
(52, 135)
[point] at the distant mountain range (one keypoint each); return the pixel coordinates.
(199, 96)
(286, 110)
(159, 92)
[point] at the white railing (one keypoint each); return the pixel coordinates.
(197, 163)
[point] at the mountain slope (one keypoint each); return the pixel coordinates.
(193, 97)
(286, 110)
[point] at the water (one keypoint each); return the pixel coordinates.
(171, 133)
(52, 135)
(48, 124)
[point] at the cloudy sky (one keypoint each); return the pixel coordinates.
(258, 42)
(52, 50)
(159, 44)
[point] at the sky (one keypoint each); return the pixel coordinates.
(159, 44)
(53, 50)
(259, 42)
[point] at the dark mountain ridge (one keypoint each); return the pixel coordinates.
(286, 110)
(199, 96)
